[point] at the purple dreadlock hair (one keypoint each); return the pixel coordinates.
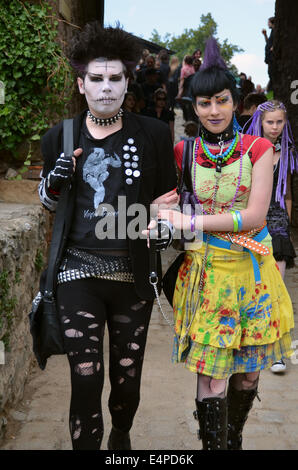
(288, 152)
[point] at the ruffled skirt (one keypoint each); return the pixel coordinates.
(237, 326)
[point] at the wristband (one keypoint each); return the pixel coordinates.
(240, 221)
(235, 221)
(192, 223)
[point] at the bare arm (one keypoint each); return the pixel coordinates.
(253, 216)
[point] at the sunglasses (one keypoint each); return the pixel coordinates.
(161, 98)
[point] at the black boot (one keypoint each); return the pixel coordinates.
(212, 416)
(239, 405)
(119, 440)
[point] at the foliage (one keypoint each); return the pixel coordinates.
(39, 260)
(33, 69)
(192, 39)
(7, 305)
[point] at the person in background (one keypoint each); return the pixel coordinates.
(184, 95)
(173, 81)
(186, 72)
(270, 121)
(161, 111)
(197, 59)
(191, 129)
(250, 104)
(149, 86)
(259, 89)
(269, 57)
(164, 67)
(130, 102)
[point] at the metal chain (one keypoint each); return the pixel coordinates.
(154, 284)
(169, 322)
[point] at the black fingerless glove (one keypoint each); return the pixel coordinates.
(162, 235)
(62, 173)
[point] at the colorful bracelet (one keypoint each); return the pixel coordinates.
(240, 221)
(235, 221)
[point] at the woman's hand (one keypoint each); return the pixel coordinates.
(165, 201)
(179, 220)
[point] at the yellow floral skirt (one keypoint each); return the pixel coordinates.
(238, 326)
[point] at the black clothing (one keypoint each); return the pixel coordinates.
(278, 224)
(138, 163)
(98, 179)
(268, 47)
(85, 307)
(154, 145)
(148, 91)
(243, 119)
(165, 116)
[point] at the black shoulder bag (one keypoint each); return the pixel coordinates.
(186, 197)
(44, 321)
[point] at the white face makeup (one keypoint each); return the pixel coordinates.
(104, 87)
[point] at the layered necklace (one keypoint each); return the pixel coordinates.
(105, 121)
(219, 159)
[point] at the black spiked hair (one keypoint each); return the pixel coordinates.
(94, 41)
(213, 80)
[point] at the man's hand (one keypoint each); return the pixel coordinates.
(63, 171)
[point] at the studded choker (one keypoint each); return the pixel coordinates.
(105, 121)
(226, 135)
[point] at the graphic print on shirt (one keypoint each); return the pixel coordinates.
(95, 172)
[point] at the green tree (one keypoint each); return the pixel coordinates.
(192, 39)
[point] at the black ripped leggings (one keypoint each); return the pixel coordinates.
(85, 306)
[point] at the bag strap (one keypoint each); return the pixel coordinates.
(58, 227)
(185, 181)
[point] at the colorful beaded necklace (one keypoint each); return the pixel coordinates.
(226, 155)
(195, 154)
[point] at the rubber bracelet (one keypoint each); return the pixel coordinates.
(192, 223)
(240, 221)
(235, 221)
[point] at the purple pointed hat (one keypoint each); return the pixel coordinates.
(212, 56)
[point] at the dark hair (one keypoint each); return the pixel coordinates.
(272, 19)
(94, 41)
(213, 80)
(254, 99)
(188, 59)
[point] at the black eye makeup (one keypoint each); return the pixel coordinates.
(99, 78)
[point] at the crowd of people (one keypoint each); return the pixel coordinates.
(232, 313)
(161, 83)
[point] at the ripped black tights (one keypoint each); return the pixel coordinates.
(85, 306)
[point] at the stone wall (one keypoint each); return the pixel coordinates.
(23, 250)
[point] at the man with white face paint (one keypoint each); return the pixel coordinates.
(105, 280)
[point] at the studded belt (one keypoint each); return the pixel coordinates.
(79, 264)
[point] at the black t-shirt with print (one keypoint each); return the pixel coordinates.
(99, 183)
